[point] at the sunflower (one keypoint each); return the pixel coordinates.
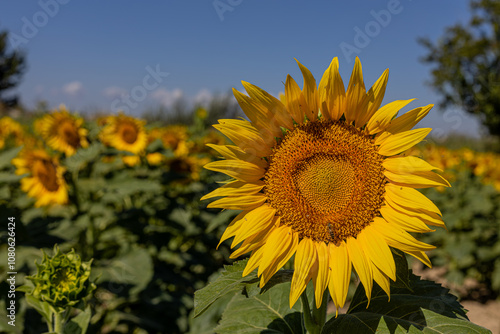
(124, 133)
(45, 181)
(187, 166)
(10, 129)
(62, 131)
(174, 137)
(324, 177)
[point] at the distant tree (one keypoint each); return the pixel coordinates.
(12, 66)
(466, 63)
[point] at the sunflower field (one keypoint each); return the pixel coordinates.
(112, 227)
(123, 194)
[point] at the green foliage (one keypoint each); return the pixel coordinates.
(466, 64)
(470, 247)
(415, 306)
(152, 242)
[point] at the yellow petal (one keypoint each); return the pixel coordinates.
(407, 223)
(377, 251)
(379, 121)
(238, 169)
(253, 262)
(233, 227)
(340, 273)
(402, 141)
(407, 165)
(399, 238)
(236, 188)
(259, 115)
(382, 280)
(255, 221)
(244, 135)
(421, 256)
(305, 259)
(244, 202)
(278, 240)
(417, 180)
(310, 93)
(295, 101)
(426, 216)
(332, 92)
(279, 248)
(232, 152)
(410, 198)
(409, 120)
(374, 97)
(361, 265)
(253, 242)
(278, 115)
(321, 274)
(356, 101)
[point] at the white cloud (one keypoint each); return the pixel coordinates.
(114, 92)
(73, 88)
(203, 97)
(166, 97)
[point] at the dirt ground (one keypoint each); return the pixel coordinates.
(486, 315)
(483, 314)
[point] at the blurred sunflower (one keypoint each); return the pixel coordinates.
(45, 181)
(323, 176)
(62, 131)
(10, 129)
(174, 137)
(189, 166)
(124, 133)
(155, 158)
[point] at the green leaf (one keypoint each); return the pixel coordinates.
(229, 281)
(79, 324)
(206, 322)
(135, 267)
(423, 306)
(402, 273)
(7, 156)
(129, 186)
(6, 177)
(265, 313)
(41, 307)
(365, 322)
(83, 156)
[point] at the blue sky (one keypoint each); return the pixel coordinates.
(93, 54)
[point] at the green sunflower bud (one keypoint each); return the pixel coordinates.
(62, 280)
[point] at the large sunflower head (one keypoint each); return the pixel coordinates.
(324, 176)
(45, 181)
(62, 131)
(125, 133)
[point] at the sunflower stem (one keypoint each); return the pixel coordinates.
(58, 323)
(319, 314)
(49, 323)
(310, 325)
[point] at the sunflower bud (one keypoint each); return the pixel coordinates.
(62, 280)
